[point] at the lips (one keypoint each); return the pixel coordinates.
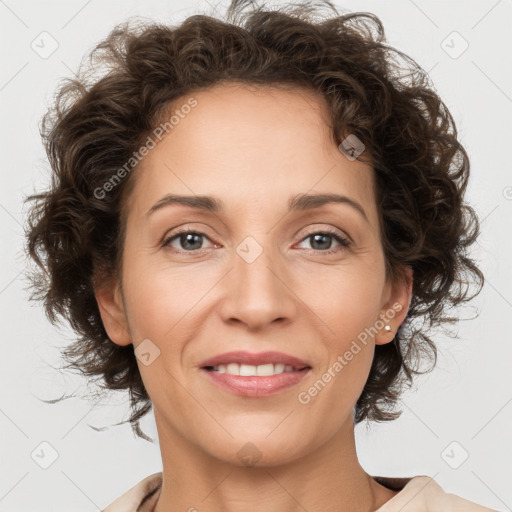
(255, 359)
(266, 382)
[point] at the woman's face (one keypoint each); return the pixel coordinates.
(253, 276)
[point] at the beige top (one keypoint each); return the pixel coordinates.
(417, 494)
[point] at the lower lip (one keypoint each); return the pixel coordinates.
(256, 386)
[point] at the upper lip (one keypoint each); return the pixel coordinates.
(255, 359)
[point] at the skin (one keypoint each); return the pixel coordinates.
(253, 148)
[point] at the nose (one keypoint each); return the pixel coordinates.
(257, 293)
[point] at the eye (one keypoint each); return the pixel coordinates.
(189, 240)
(318, 241)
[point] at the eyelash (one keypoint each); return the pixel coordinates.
(344, 242)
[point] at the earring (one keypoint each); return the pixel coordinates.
(387, 328)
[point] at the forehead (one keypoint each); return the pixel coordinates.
(252, 142)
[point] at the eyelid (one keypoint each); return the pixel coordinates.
(185, 227)
(331, 230)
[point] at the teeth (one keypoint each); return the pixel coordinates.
(248, 370)
(233, 368)
(269, 369)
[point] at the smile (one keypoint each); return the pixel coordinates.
(255, 375)
(248, 370)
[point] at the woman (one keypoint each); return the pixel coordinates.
(246, 221)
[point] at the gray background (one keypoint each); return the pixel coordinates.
(465, 400)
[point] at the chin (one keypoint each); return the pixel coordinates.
(258, 450)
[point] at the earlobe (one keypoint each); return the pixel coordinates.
(395, 309)
(111, 307)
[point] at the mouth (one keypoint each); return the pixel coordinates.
(248, 370)
(255, 375)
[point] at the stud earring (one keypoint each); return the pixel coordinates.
(387, 328)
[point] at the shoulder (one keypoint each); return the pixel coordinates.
(423, 494)
(132, 499)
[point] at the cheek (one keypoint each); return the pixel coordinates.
(347, 301)
(349, 307)
(159, 298)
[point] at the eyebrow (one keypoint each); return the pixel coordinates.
(299, 202)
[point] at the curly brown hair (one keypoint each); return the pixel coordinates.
(373, 91)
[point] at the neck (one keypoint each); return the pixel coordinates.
(329, 479)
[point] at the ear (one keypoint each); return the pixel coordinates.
(110, 303)
(396, 300)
